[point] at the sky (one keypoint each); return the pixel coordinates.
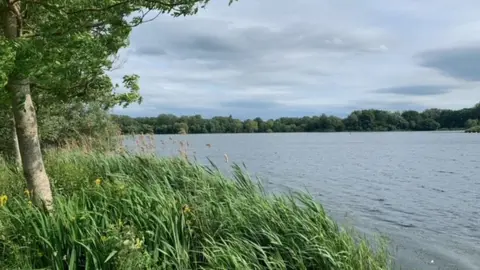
(275, 58)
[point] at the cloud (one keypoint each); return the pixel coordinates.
(461, 62)
(284, 58)
(251, 104)
(416, 90)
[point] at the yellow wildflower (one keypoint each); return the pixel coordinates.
(98, 182)
(3, 200)
(138, 243)
(27, 193)
(186, 209)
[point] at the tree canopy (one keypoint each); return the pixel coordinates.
(55, 51)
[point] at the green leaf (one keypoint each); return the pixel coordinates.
(110, 256)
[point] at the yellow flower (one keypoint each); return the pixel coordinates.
(27, 193)
(30, 203)
(98, 182)
(138, 243)
(186, 209)
(3, 200)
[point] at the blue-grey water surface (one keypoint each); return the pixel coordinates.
(421, 189)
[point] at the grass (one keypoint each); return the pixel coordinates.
(139, 212)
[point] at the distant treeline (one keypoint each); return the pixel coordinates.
(361, 120)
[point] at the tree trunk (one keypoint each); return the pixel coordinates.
(26, 120)
(27, 132)
(16, 147)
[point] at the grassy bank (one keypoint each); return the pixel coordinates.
(132, 212)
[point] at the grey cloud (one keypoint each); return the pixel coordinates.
(219, 42)
(461, 63)
(250, 104)
(416, 90)
(393, 105)
(289, 55)
(152, 111)
(215, 40)
(150, 50)
(378, 105)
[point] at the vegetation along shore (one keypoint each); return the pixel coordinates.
(361, 120)
(122, 211)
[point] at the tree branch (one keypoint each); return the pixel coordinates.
(98, 9)
(82, 85)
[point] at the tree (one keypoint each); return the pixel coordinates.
(64, 48)
(428, 124)
(471, 123)
(180, 128)
(364, 120)
(251, 126)
(352, 122)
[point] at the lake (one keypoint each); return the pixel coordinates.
(421, 189)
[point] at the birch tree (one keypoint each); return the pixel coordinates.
(64, 47)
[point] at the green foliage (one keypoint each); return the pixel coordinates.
(471, 123)
(7, 60)
(64, 124)
(78, 123)
(364, 120)
(66, 46)
(6, 142)
(474, 129)
(64, 49)
(138, 212)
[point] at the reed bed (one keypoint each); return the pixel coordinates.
(124, 211)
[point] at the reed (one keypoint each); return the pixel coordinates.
(124, 211)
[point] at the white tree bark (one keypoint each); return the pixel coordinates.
(26, 120)
(16, 147)
(27, 132)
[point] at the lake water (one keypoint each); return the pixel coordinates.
(421, 189)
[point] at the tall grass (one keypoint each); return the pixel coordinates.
(140, 212)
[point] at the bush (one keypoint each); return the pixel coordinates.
(475, 129)
(6, 142)
(66, 125)
(140, 212)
